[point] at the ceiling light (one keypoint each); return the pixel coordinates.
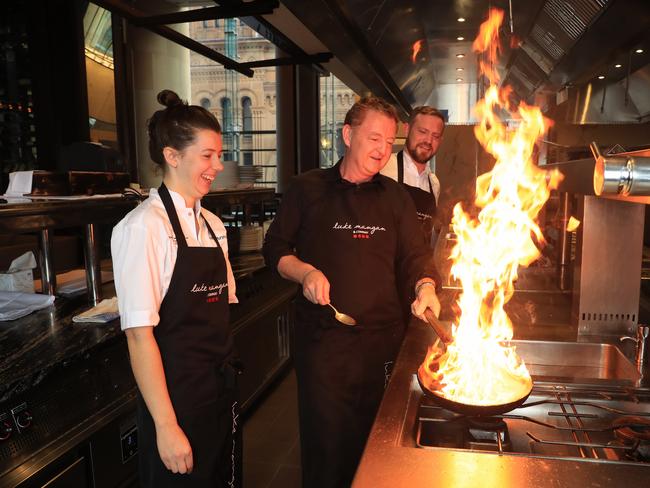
(461, 19)
(459, 79)
(459, 69)
(639, 51)
(618, 65)
(601, 77)
(460, 55)
(460, 38)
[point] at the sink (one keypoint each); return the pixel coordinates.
(576, 363)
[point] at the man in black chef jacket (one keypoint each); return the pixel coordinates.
(410, 167)
(342, 233)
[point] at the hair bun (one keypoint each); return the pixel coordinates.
(169, 98)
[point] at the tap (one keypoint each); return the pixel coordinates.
(642, 347)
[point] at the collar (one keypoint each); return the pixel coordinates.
(178, 200)
(408, 162)
(333, 174)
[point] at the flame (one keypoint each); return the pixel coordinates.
(573, 224)
(479, 367)
(417, 46)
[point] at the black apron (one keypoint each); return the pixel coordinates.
(196, 344)
(341, 371)
(425, 206)
(425, 202)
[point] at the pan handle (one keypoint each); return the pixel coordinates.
(440, 330)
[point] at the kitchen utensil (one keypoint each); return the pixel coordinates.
(438, 327)
(468, 409)
(341, 317)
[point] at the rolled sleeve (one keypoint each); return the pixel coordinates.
(281, 237)
(137, 274)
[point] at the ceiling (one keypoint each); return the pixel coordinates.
(547, 45)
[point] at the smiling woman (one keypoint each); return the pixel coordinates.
(174, 284)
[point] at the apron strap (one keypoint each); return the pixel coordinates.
(210, 230)
(400, 172)
(400, 167)
(173, 216)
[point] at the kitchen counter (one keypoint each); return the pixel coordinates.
(391, 458)
(33, 345)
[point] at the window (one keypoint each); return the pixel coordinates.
(205, 103)
(249, 135)
(336, 99)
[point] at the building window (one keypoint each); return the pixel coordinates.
(246, 114)
(226, 120)
(205, 103)
(332, 114)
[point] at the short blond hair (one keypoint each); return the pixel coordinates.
(357, 112)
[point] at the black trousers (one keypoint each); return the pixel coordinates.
(342, 373)
(215, 435)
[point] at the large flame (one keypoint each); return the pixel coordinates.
(479, 367)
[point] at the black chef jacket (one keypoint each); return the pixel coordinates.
(358, 235)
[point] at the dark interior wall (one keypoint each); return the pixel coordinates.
(59, 76)
(308, 118)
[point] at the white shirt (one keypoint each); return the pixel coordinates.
(411, 175)
(144, 253)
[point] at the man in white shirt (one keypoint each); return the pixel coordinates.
(410, 167)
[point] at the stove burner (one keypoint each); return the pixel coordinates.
(634, 431)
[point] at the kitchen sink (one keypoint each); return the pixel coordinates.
(576, 363)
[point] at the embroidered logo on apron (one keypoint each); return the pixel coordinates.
(359, 231)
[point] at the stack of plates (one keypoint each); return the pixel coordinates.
(251, 238)
(228, 178)
(249, 174)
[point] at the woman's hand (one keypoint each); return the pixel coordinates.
(174, 449)
(426, 298)
(316, 287)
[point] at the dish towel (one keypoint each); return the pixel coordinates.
(15, 304)
(103, 312)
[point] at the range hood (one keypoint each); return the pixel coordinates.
(553, 51)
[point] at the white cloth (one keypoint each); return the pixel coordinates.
(20, 183)
(103, 312)
(14, 304)
(411, 175)
(144, 254)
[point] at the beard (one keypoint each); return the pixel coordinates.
(420, 153)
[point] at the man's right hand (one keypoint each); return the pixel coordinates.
(174, 449)
(316, 287)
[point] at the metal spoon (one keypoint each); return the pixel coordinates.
(343, 318)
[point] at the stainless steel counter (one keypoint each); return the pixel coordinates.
(391, 458)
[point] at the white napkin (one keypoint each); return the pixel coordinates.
(14, 304)
(20, 183)
(103, 312)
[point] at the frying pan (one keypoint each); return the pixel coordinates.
(463, 408)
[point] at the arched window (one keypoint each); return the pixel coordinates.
(205, 103)
(246, 114)
(226, 116)
(247, 125)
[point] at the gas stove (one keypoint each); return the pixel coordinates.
(557, 421)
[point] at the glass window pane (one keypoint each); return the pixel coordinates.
(335, 101)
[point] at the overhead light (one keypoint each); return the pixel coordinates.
(459, 69)
(601, 77)
(460, 55)
(639, 51)
(461, 19)
(618, 65)
(459, 79)
(460, 38)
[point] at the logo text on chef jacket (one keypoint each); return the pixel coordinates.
(359, 231)
(423, 216)
(212, 292)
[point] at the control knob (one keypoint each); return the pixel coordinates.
(24, 419)
(5, 430)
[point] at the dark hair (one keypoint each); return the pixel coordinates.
(357, 112)
(427, 110)
(176, 125)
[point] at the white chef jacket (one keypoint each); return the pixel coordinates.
(144, 251)
(411, 175)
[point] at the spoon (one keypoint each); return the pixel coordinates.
(341, 317)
